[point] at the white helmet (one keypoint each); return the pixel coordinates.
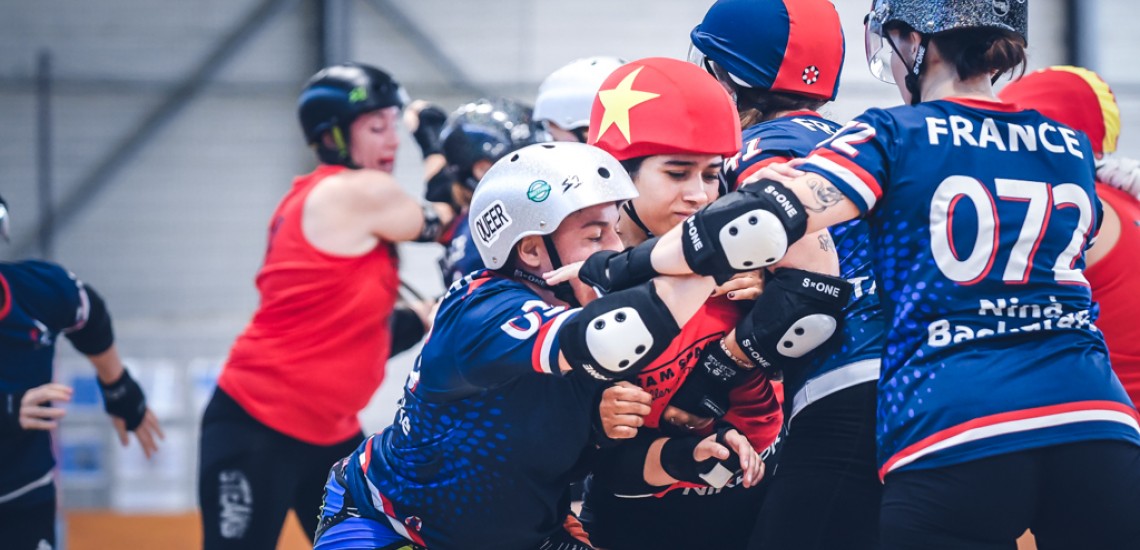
(532, 190)
(567, 95)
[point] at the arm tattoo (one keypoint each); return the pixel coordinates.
(825, 194)
(825, 242)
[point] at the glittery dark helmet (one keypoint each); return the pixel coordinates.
(935, 16)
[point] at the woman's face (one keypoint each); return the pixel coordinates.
(374, 139)
(673, 187)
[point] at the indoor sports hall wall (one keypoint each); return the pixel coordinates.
(173, 134)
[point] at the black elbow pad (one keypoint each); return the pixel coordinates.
(96, 335)
(407, 330)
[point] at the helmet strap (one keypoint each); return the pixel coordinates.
(342, 147)
(563, 291)
(630, 211)
(914, 72)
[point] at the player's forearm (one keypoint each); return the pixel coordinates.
(108, 365)
(654, 473)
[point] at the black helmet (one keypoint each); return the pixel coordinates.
(487, 129)
(3, 219)
(335, 96)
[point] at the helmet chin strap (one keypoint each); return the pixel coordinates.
(915, 71)
(342, 147)
(630, 211)
(563, 291)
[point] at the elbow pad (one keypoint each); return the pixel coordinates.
(618, 335)
(608, 271)
(797, 312)
(407, 330)
(744, 230)
(433, 226)
(96, 335)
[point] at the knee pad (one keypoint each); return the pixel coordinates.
(618, 335)
(744, 230)
(796, 314)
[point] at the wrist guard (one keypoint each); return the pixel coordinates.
(797, 312)
(705, 391)
(744, 230)
(677, 460)
(124, 398)
(608, 271)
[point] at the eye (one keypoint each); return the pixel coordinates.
(677, 175)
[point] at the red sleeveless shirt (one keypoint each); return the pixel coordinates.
(1115, 285)
(315, 350)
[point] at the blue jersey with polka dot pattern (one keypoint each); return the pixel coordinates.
(852, 356)
(40, 302)
(979, 213)
(461, 256)
(489, 434)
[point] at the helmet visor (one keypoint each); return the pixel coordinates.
(725, 78)
(879, 50)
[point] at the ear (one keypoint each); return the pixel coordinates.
(530, 251)
(480, 168)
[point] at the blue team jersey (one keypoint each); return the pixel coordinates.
(461, 257)
(852, 357)
(42, 301)
(980, 213)
(791, 136)
(489, 435)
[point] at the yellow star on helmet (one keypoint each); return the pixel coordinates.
(618, 101)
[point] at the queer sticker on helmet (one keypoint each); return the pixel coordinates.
(538, 191)
(491, 222)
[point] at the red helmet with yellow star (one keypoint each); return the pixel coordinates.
(660, 106)
(1073, 96)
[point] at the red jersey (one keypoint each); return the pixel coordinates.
(754, 407)
(315, 350)
(1116, 286)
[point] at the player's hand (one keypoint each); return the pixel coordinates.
(412, 114)
(425, 121)
(783, 172)
(752, 468)
(36, 410)
(623, 409)
(562, 274)
(744, 286)
(685, 420)
(148, 432)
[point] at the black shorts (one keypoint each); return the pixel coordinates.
(1082, 496)
(824, 493)
(250, 476)
(683, 519)
(28, 526)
